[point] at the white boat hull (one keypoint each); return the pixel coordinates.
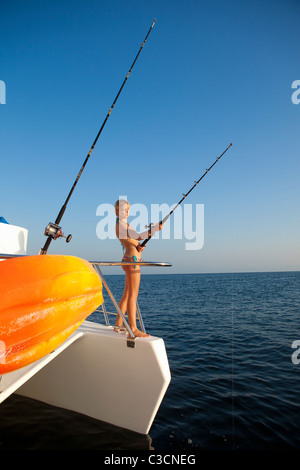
(100, 376)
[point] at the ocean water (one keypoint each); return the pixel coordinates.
(234, 386)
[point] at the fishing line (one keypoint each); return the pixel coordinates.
(232, 368)
(53, 231)
(182, 199)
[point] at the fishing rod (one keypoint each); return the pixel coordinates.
(182, 199)
(53, 231)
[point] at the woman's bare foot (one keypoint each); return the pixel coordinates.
(139, 334)
(119, 326)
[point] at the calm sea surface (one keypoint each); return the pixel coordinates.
(234, 385)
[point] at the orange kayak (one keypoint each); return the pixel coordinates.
(43, 299)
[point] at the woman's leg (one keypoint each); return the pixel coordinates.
(134, 276)
(123, 303)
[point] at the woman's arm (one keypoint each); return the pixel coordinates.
(125, 231)
(142, 236)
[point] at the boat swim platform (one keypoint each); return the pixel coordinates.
(95, 373)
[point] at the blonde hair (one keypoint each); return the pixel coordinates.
(119, 203)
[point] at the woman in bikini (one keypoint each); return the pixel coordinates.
(129, 239)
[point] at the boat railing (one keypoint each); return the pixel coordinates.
(102, 309)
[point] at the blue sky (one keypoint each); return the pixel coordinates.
(211, 73)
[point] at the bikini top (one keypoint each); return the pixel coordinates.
(123, 248)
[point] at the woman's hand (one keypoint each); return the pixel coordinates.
(157, 227)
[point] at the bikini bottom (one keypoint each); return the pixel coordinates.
(131, 258)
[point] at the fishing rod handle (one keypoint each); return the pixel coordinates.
(145, 242)
(161, 222)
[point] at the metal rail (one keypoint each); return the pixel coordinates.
(6, 256)
(129, 263)
(96, 265)
(101, 263)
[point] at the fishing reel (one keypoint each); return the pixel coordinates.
(55, 232)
